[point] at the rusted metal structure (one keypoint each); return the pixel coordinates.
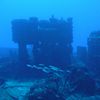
(51, 39)
(94, 51)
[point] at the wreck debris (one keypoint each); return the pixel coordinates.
(94, 52)
(51, 39)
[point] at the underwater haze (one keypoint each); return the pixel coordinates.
(85, 13)
(49, 49)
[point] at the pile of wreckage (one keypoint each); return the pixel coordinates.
(74, 83)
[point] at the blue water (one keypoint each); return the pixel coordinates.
(55, 44)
